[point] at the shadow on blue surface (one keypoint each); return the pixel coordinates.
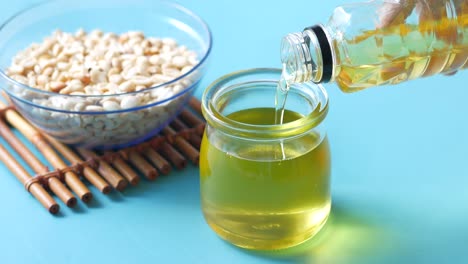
(144, 188)
(347, 237)
(95, 203)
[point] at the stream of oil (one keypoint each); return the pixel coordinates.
(280, 102)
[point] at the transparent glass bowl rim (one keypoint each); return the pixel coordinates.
(291, 129)
(181, 8)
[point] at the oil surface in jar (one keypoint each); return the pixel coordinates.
(258, 202)
(402, 52)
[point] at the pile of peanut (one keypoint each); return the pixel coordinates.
(89, 65)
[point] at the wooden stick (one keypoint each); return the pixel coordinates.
(71, 178)
(55, 185)
(33, 135)
(177, 124)
(169, 152)
(193, 138)
(142, 165)
(190, 118)
(157, 160)
(35, 189)
(21, 149)
(112, 176)
(126, 171)
(195, 105)
(89, 173)
(182, 145)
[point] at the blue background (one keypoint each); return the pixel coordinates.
(400, 174)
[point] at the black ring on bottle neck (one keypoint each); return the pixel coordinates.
(325, 48)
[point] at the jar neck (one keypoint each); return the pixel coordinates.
(256, 88)
(308, 56)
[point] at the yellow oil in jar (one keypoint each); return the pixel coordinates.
(403, 52)
(257, 202)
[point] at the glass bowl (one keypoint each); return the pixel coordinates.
(69, 118)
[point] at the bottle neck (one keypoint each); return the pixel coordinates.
(308, 56)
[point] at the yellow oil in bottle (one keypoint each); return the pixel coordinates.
(255, 201)
(402, 52)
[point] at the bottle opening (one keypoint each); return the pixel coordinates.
(295, 57)
(307, 56)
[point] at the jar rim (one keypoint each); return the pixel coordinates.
(302, 125)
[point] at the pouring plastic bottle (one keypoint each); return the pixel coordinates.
(380, 42)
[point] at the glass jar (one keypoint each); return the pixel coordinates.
(264, 186)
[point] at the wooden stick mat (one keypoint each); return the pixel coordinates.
(176, 145)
